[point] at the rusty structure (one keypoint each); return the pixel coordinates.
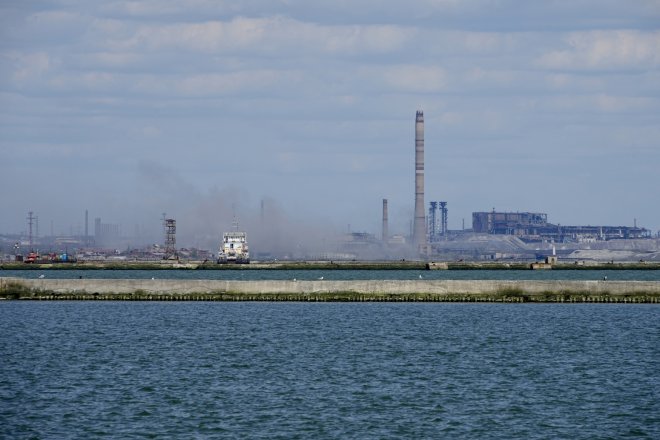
(170, 240)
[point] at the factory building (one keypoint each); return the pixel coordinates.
(105, 233)
(534, 226)
(510, 223)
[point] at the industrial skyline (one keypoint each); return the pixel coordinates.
(423, 241)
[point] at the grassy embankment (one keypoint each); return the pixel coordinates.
(18, 291)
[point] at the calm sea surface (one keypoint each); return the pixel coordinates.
(328, 370)
(246, 274)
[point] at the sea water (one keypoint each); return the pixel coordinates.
(328, 370)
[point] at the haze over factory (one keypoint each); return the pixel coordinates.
(493, 235)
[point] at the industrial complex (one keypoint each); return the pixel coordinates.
(534, 226)
(493, 236)
(500, 235)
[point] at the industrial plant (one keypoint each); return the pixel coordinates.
(493, 235)
(534, 226)
(504, 235)
(105, 244)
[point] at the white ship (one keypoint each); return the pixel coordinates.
(234, 248)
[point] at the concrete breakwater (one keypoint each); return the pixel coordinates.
(357, 290)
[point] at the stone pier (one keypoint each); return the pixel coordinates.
(326, 290)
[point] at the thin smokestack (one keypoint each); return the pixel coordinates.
(419, 225)
(385, 226)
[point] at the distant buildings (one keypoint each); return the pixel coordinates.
(105, 233)
(534, 226)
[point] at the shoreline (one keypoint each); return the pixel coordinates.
(357, 290)
(327, 265)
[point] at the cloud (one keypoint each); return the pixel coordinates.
(412, 78)
(599, 103)
(605, 50)
(112, 60)
(30, 65)
(308, 96)
(59, 26)
(263, 36)
(168, 8)
(235, 82)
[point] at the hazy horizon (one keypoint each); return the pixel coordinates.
(202, 109)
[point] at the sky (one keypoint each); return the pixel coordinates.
(203, 109)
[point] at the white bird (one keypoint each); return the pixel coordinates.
(420, 276)
(320, 278)
(295, 279)
(42, 276)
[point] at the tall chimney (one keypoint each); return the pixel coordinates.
(262, 213)
(419, 226)
(385, 228)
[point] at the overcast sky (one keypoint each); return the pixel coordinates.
(202, 108)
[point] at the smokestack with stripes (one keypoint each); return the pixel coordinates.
(419, 225)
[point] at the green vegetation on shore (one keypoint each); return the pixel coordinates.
(18, 291)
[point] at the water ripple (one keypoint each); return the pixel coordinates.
(298, 370)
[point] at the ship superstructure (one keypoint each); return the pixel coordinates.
(234, 248)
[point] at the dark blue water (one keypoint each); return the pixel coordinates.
(331, 370)
(246, 274)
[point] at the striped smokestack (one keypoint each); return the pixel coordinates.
(419, 225)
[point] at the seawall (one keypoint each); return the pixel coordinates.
(326, 290)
